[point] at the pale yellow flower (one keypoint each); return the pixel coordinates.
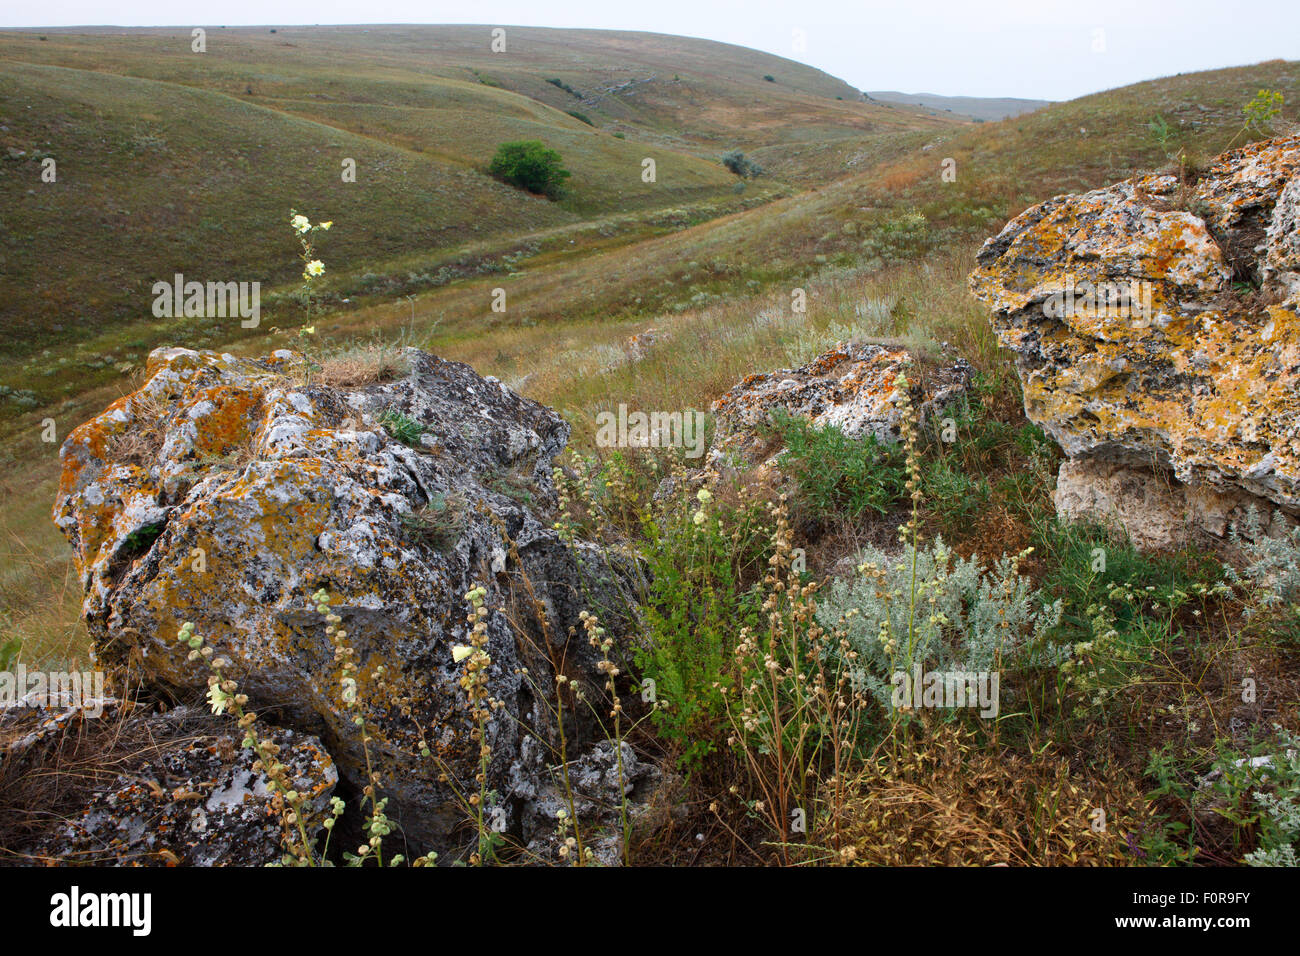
(314, 268)
(218, 699)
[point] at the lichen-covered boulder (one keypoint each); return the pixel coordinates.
(1156, 328)
(851, 387)
(226, 492)
(140, 788)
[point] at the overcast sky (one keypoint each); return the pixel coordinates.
(1041, 49)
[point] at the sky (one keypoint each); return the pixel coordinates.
(1037, 49)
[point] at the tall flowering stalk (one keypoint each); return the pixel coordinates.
(378, 826)
(312, 269)
(475, 684)
(291, 806)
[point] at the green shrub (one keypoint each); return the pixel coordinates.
(556, 82)
(580, 117)
(704, 561)
(836, 473)
(401, 427)
(736, 161)
(530, 165)
(1273, 567)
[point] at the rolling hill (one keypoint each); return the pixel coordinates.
(170, 160)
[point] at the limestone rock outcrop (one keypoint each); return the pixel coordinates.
(227, 491)
(851, 387)
(1156, 327)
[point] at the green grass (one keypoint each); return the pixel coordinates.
(402, 427)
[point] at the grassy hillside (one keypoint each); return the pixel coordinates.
(683, 89)
(175, 161)
(155, 178)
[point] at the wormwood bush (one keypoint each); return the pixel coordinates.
(1274, 568)
(1279, 818)
(927, 607)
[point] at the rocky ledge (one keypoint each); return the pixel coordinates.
(1156, 330)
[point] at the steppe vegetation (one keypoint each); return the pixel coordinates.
(1127, 691)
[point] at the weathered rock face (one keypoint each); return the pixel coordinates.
(851, 387)
(226, 492)
(601, 790)
(1156, 327)
(181, 791)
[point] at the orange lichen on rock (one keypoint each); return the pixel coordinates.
(1201, 374)
(227, 491)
